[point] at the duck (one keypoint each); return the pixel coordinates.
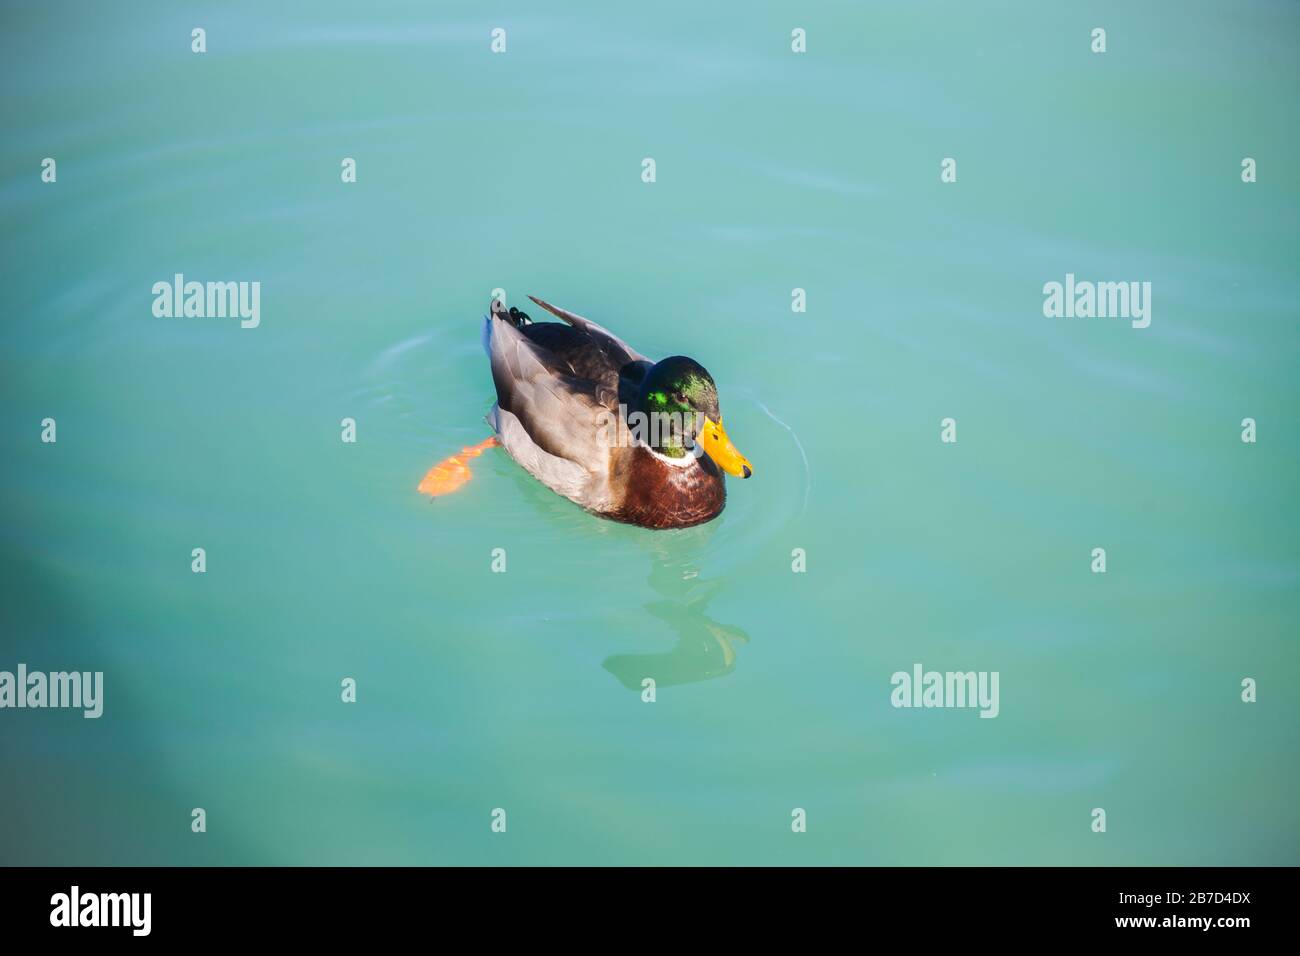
(623, 437)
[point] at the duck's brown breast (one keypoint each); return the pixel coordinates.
(654, 494)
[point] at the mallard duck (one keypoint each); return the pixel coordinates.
(596, 421)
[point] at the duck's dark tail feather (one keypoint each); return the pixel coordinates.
(512, 315)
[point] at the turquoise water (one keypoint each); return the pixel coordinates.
(522, 690)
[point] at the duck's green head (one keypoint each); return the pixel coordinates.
(679, 396)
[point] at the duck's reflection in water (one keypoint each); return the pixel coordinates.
(704, 647)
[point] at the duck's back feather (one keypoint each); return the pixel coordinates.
(558, 409)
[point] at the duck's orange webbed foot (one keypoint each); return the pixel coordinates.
(450, 473)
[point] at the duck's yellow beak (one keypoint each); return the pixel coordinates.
(724, 454)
